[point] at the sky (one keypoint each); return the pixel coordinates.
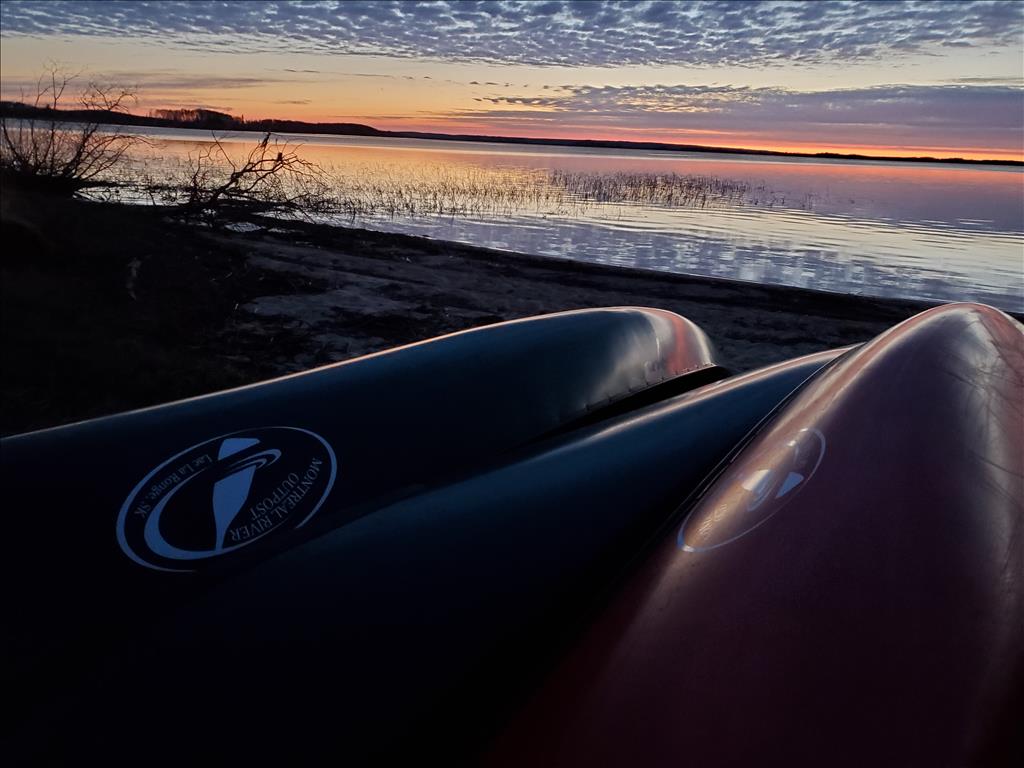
(886, 78)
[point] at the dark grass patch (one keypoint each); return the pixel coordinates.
(105, 309)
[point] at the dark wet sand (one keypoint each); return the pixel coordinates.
(378, 290)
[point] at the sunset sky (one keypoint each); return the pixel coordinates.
(936, 78)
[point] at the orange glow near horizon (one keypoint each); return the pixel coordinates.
(730, 141)
(436, 109)
(440, 123)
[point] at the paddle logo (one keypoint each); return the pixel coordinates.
(224, 494)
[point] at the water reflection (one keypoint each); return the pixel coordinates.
(922, 231)
(778, 247)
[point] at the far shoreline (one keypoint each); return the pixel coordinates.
(226, 122)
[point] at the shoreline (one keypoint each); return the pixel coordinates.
(94, 324)
(225, 122)
(553, 262)
(379, 289)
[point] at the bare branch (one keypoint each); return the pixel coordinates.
(272, 177)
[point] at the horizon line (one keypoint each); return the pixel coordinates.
(363, 129)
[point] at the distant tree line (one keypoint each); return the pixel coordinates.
(211, 119)
(203, 119)
(198, 117)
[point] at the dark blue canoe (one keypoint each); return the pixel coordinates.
(311, 566)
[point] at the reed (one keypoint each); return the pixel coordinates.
(373, 191)
(446, 192)
(670, 190)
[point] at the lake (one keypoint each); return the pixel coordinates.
(914, 230)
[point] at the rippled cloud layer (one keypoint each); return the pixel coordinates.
(546, 33)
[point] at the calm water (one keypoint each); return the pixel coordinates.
(884, 229)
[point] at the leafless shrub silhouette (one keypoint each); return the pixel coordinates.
(65, 157)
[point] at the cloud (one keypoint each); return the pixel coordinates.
(990, 114)
(1019, 80)
(157, 80)
(560, 32)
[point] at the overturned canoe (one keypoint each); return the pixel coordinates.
(848, 591)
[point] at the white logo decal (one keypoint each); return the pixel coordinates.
(223, 494)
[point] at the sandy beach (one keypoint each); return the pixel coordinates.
(109, 307)
(379, 289)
